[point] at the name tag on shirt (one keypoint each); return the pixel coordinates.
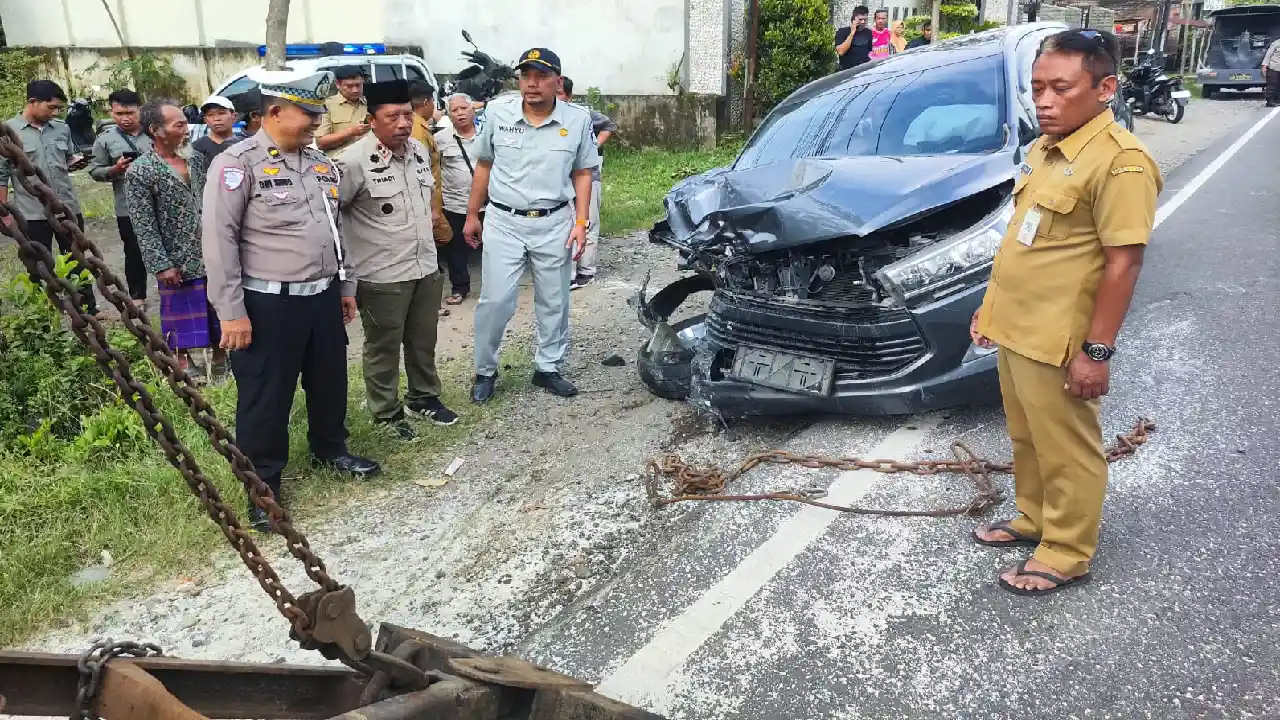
(1030, 223)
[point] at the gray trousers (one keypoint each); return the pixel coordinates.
(587, 263)
(512, 242)
(396, 315)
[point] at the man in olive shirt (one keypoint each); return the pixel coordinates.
(50, 148)
(1085, 201)
(113, 151)
(280, 282)
(385, 195)
(346, 114)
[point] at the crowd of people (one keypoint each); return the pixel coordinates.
(301, 209)
(858, 44)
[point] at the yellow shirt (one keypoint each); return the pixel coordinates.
(422, 133)
(342, 114)
(1074, 196)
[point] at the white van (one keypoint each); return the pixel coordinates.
(378, 66)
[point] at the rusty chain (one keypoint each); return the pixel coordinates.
(65, 294)
(91, 665)
(708, 484)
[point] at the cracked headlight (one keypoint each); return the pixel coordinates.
(945, 266)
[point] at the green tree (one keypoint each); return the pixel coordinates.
(794, 49)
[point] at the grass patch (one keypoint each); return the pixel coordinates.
(96, 200)
(61, 509)
(636, 181)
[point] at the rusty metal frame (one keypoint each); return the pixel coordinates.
(466, 685)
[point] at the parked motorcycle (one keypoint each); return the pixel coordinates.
(1148, 89)
(80, 123)
(485, 78)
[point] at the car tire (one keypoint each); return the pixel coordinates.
(1206, 92)
(670, 375)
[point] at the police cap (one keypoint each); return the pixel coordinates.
(306, 90)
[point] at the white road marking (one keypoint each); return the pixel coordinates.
(648, 672)
(1190, 188)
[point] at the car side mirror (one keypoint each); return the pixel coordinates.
(1026, 133)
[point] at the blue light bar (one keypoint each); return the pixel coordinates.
(317, 50)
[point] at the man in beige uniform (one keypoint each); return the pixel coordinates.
(279, 281)
(1271, 73)
(385, 194)
(1085, 202)
(346, 114)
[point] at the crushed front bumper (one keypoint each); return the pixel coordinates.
(887, 361)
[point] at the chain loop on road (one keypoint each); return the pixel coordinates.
(91, 665)
(708, 484)
(89, 330)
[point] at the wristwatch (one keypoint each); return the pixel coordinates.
(1097, 351)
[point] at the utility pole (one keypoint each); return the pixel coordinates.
(749, 67)
(1012, 16)
(936, 19)
(277, 27)
(1159, 37)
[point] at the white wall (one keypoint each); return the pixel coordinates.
(184, 23)
(623, 47)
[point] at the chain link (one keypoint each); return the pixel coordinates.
(65, 294)
(708, 484)
(91, 665)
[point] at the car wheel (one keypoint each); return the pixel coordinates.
(1206, 92)
(669, 374)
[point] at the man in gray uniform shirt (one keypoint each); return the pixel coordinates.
(113, 151)
(49, 146)
(533, 166)
(279, 281)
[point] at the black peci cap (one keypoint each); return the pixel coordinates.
(540, 59)
(389, 92)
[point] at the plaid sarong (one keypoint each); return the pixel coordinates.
(187, 320)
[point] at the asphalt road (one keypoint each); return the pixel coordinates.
(775, 611)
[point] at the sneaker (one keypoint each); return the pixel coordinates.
(431, 409)
(581, 281)
(400, 428)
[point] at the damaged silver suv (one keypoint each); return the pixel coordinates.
(851, 241)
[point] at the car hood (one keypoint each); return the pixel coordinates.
(798, 202)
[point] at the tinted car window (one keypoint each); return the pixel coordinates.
(957, 108)
(239, 85)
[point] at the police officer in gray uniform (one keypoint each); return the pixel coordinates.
(280, 282)
(534, 160)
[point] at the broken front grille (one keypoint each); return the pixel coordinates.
(866, 342)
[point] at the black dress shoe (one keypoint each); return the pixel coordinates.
(258, 519)
(553, 383)
(482, 390)
(352, 465)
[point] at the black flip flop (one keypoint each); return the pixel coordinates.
(1059, 583)
(1019, 540)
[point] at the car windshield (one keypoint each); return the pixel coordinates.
(956, 108)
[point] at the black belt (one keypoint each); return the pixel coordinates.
(534, 213)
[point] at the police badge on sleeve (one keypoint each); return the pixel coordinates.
(232, 177)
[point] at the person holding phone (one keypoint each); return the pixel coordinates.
(50, 148)
(113, 152)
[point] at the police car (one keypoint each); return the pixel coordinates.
(378, 66)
